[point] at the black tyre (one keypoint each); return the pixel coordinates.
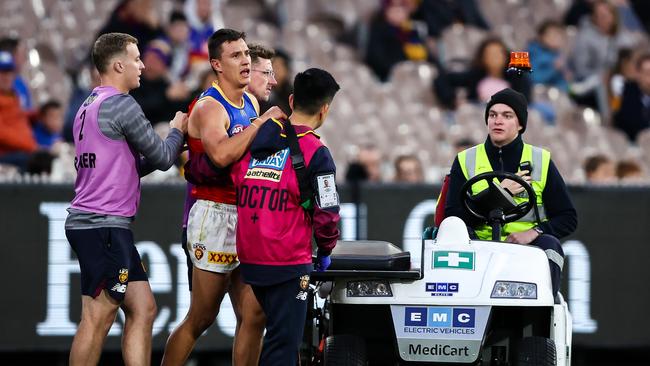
(345, 350)
(536, 351)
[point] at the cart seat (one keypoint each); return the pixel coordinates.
(369, 255)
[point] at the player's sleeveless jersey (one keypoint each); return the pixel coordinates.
(107, 177)
(240, 117)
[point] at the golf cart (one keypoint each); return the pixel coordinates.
(469, 302)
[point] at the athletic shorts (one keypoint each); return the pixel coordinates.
(188, 259)
(211, 230)
(108, 260)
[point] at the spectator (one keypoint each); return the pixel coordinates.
(634, 114)
(204, 17)
(629, 171)
(578, 9)
(486, 76)
(626, 12)
(367, 166)
(17, 50)
(546, 58)
(177, 34)
(408, 169)
(49, 128)
(440, 14)
(159, 98)
(463, 144)
(596, 47)
(394, 38)
(137, 18)
(599, 169)
(16, 139)
(623, 72)
(280, 94)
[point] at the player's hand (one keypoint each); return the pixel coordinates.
(322, 262)
(274, 112)
(514, 187)
(523, 237)
(179, 122)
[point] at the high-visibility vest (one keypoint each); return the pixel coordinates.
(474, 161)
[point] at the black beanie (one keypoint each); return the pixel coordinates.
(514, 100)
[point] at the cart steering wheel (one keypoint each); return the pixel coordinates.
(508, 213)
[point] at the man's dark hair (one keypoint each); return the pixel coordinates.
(594, 162)
(177, 15)
(312, 89)
(220, 37)
(279, 53)
(50, 104)
(627, 167)
(107, 46)
(257, 51)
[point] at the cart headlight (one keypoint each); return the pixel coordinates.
(369, 289)
(514, 290)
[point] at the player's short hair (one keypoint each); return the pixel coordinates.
(312, 89)
(220, 37)
(107, 46)
(257, 51)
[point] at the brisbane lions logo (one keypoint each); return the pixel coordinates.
(124, 275)
(304, 282)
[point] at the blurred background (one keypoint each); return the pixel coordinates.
(415, 77)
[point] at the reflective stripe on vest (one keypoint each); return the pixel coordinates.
(474, 161)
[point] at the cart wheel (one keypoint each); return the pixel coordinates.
(345, 350)
(536, 351)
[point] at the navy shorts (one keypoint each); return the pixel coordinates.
(108, 260)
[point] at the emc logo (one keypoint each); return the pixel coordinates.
(439, 317)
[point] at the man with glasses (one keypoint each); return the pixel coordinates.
(262, 76)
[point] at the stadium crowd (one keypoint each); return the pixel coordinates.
(415, 77)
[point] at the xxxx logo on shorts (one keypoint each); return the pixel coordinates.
(199, 249)
(221, 258)
(124, 275)
(304, 282)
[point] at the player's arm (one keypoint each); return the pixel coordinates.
(212, 123)
(122, 117)
(562, 215)
(322, 173)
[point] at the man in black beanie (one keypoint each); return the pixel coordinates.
(506, 116)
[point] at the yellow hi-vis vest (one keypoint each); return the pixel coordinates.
(474, 161)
